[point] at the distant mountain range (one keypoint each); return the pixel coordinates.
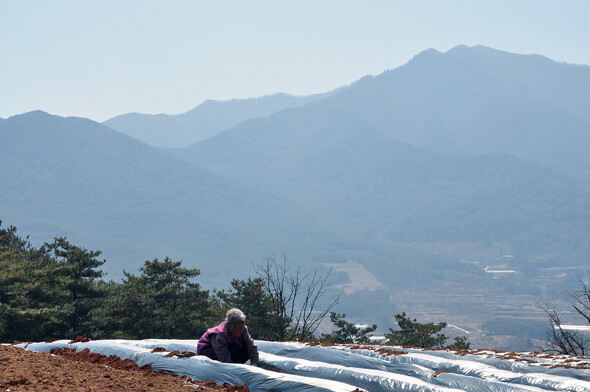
(204, 121)
(426, 173)
(104, 190)
(473, 145)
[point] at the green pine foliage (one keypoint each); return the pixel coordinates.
(461, 343)
(162, 302)
(76, 275)
(58, 291)
(347, 332)
(415, 334)
(29, 290)
(250, 296)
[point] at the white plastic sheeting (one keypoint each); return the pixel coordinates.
(199, 367)
(300, 367)
(504, 371)
(470, 374)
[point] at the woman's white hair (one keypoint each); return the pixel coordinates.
(234, 316)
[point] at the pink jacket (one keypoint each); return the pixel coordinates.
(205, 346)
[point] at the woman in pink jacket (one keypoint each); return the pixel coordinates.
(229, 341)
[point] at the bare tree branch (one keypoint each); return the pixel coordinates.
(294, 298)
(582, 298)
(567, 341)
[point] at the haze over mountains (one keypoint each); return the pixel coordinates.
(204, 121)
(107, 191)
(423, 175)
(474, 145)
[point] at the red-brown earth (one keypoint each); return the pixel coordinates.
(67, 370)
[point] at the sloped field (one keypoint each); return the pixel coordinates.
(303, 367)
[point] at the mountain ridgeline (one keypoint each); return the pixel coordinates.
(204, 121)
(424, 175)
(470, 146)
(74, 177)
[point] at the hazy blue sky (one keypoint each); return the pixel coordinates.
(98, 59)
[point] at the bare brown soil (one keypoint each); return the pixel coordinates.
(67, 370)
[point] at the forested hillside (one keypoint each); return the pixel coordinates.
(470, 146)
(76, 178)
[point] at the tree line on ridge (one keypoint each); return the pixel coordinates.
(57, 291)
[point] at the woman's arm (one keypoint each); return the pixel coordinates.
(219, 344)
(252, 348)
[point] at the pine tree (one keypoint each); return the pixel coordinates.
(76, 269)
(162, 302)
(28, 306)
(347, 332)
(412, 333)
(250, 297)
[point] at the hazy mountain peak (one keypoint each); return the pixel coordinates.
(32, 114)
(36, 119)
(464, 49)
(426, 55)
(459, 51)
(46, 118)
(467, 100)
(209, 102)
